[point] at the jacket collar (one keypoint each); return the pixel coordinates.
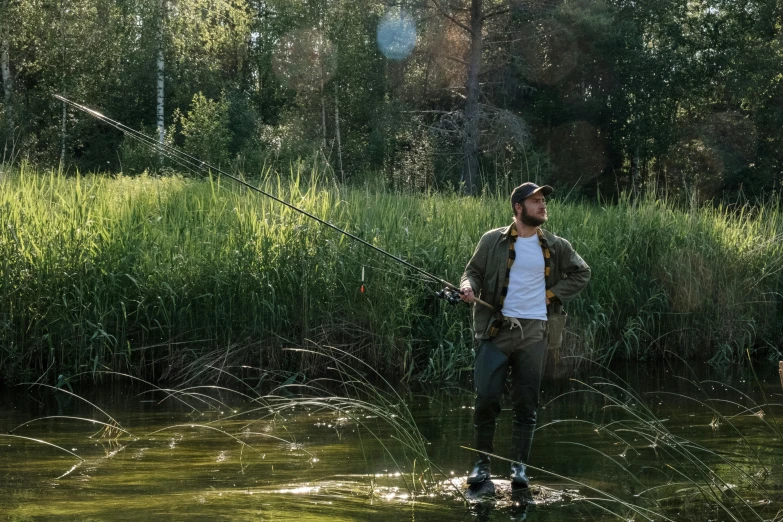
(542, 235)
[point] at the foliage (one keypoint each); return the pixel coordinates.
(205, 130)
(152, 275)
(612, 96)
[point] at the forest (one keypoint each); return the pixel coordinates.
(595, 97)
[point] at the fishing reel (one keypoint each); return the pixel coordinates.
(449, 295)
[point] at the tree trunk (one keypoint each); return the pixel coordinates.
(161, 81)
(62, 86)
(635, 169)
(323, 117)
(337, 132)
(8, 86)
(62, 149)
(471, 137)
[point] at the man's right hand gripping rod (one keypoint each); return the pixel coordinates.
(452, 294)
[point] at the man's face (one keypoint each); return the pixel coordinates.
(532, 211)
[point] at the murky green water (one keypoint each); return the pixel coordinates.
(183, 459)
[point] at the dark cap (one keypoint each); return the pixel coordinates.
(525, 190)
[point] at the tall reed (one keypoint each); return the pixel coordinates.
(154, 276)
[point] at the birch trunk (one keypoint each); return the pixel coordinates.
(323, 119)
(161, 80)
(337, 132)
(5, 67)
(471, 137)
(635, 169)
(65, 111)
(62, 149)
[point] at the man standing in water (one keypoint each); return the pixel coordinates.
(527, 274)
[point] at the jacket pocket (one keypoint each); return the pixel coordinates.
(555, 329)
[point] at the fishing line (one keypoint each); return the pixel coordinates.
(195, 165)
(184, 159)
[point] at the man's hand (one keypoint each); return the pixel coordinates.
(466, 294)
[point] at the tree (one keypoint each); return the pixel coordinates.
(161, 69)
(197, 37)
(5, 65)
(205, 129)
(472, 17)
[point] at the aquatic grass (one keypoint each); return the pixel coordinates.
(679, 451)
(189, 393)
(363, 401)
(112, 420)
(109, 427)
(648, 514)
(667, 476)
(725, 480)
(161, 276)
(42, 442)
(222, 432)
(193, 397)
(372, 407)
(382, 403)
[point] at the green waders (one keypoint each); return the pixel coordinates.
(519, 350)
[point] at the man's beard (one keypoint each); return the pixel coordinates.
(529, 220)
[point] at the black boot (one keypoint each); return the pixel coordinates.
(480, 471)
(521, 441)
(519, 477)
(484, 436)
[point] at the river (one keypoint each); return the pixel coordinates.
(655, 441)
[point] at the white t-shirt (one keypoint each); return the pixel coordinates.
(526, 298)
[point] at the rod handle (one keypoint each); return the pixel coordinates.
(483, 303)
(475, 300)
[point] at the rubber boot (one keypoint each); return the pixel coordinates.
(521, 441)
(484, 437)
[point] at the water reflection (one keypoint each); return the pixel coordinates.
(609, 446)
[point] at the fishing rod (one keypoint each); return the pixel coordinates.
(450, 293)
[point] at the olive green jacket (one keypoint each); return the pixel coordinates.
(486, 273)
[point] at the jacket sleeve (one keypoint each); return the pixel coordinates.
(477, 266)
(575, 274)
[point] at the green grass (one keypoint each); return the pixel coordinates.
(162, 277)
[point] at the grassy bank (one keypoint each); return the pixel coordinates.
(160, 276)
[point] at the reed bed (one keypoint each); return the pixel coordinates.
(160, 277)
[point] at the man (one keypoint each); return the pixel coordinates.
(527, 274)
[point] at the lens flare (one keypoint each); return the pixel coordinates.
(396, 34)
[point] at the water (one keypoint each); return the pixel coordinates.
(315, 461)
